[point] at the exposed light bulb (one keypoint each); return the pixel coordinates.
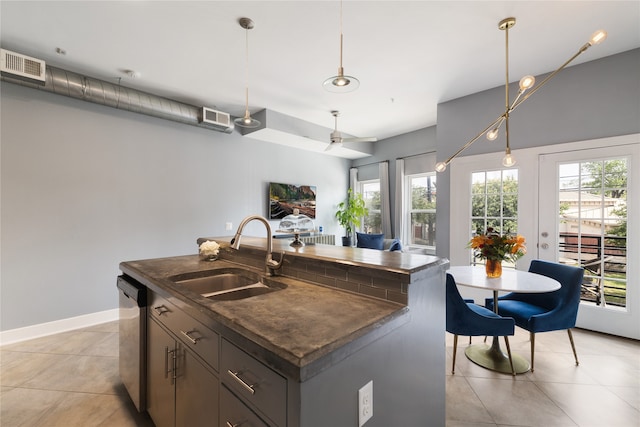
(508, 161)
(341, 84)
(340, 81)
(441, 167)
(492, 134)
(598, 37)
(247, 121)
(527, 82)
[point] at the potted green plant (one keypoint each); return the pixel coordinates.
(349, 214)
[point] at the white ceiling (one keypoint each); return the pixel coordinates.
(408, 55)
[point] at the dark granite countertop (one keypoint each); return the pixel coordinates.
(306, 325)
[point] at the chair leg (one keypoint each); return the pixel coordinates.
(455, 348)
(506, 341)
(573, 346)
(532, 336)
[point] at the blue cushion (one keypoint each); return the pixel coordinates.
(371, 241)
(395, 246)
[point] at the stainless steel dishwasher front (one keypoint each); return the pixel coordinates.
(133, 338)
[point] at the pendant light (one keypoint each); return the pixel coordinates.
(247, 121)
(526, 83)
(341, 83)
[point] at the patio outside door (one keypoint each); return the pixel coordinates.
(589, 215)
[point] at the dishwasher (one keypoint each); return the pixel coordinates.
(133, 337)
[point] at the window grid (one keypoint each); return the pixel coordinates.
(494, 202)
(421, 210)
(370, 191)
(592, 233)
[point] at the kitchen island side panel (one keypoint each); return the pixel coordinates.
(407, 368)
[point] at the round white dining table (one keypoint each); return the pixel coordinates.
(492, 357)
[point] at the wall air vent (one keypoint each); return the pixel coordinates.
(22, 67)
(217, 119)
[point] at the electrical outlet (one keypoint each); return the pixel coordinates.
(365, 403)
(228, 226)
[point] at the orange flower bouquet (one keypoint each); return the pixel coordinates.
(496, 247)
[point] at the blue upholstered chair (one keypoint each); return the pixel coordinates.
(469, 319)
(549, 311)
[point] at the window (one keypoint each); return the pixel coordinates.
(494, 201)
(371, 193)
(421, 211)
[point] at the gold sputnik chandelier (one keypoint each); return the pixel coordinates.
(526, 83)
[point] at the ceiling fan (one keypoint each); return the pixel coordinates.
(336, 135)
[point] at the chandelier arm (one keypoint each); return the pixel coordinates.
(474, 139)
(515, 101)
(550, 76)
(501, 120)
(506, 68)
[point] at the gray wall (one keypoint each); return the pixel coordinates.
(86, 186)
(596, 99)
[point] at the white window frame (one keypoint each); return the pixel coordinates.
(360, 189)
(408, 210)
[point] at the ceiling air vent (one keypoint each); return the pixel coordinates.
(22, 67)
(217, 119)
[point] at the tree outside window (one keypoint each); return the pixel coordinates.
(421, 189)
(371, 193)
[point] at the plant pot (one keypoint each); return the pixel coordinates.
(346, 240)
(493, 268)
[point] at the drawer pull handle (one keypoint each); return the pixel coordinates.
(161, 309)
(229, 424)
(236, 376)
(189, 337)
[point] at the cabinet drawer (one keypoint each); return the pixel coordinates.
(235, 413)
(254, 382)
(202, 340)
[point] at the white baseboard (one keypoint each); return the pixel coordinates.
(43, 329)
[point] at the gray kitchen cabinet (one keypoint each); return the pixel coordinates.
(160, 382)
(258, 386)
(182, 389)
(233, 412)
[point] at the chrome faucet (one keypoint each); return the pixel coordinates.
(271, 265)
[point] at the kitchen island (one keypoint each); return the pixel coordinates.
(344, 317)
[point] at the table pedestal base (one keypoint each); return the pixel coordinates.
(493, 358)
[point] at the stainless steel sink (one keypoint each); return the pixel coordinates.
(227, 284)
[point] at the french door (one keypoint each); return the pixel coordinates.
(589, 216)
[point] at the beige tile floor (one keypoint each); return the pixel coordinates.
(603, 391)
(71, 379)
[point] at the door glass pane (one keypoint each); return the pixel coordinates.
(494, 201)
(593, 227)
